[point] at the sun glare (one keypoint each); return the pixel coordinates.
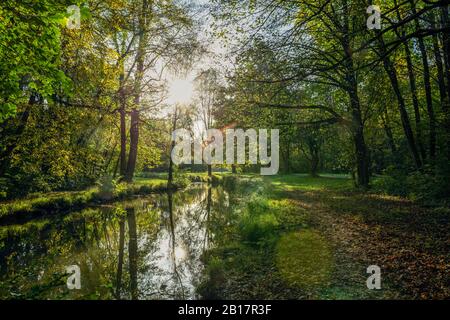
(180, 91)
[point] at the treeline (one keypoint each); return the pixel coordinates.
(345, 97)
(78, 104)
(79, 100)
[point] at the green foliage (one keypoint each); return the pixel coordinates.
(181, 180)
(230, 182)
(216, 179)
(107, 190)
(107, 186)
(257, 228)
(420, 186)
(30, 50)
(216, 272)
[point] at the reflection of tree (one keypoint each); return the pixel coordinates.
(173, 241)
(98, 241)
(208, 213)
(132, 250)
(195, 228)
(175, 255)
(120, 259)
(132, 254)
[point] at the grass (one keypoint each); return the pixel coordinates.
(242, 265)
(54, 202)
(303, 182)
(297, 237)
(139, 181)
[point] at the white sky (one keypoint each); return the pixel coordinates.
(180, 87)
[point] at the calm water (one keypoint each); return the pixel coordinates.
(146, 248)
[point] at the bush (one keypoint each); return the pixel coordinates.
(259, 223)
(257, 229)
(216, 180)
(230, 182)
(198, 178)
(419, 185)
(215, 269)
(181, 180)
(107, 186)
(145, 189)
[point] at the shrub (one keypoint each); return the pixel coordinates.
(216, 180)
(420, 186)
(181, 180)
(145, 189)
(230, 182)
(107, 186)
(211, 287)
(258, 223)
(198, 178)
(258, 228)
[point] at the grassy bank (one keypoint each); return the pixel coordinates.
(107, 191)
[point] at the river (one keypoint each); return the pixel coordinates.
(144, 248)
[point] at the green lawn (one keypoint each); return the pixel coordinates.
(303, 182)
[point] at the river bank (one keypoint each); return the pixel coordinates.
(38, 205)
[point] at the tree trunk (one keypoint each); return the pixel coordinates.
(439, 64)
(123, 119)
(415, 100)
(140, 60)
(389, 135)
(446, 45)
(314, 164)
(134, 139)
(123, 143)
(427, 86)
(357, 126)
(362, 159)
(413, 88)
(170, 177)
(392, 73)
(172, 145)
(441, 83)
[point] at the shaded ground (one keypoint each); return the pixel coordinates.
(315, 238)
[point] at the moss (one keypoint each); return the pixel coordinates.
(304, 259)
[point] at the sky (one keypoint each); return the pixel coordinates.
(181, 88)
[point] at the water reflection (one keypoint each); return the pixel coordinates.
(147, 248)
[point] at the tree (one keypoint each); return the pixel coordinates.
(207, 86)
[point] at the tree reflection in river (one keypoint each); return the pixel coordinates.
(147, 248)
